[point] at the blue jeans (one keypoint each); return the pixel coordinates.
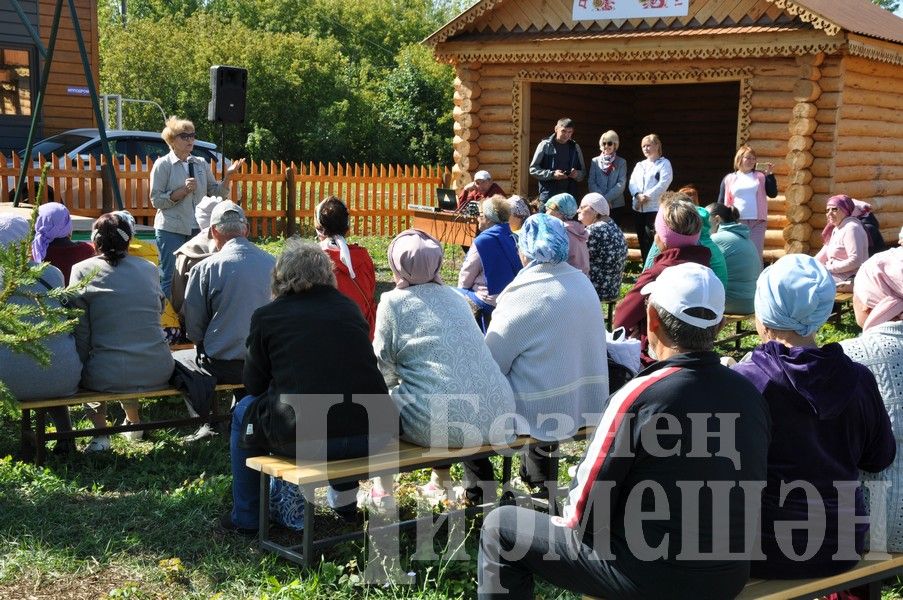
(167, 243)
(485, 309)
(246, 482)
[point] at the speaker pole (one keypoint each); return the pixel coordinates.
(222, 146)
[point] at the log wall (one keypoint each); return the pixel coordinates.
(63, 111)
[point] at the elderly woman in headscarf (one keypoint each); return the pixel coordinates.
(492, 262)
(878, 306)
(677, 229)
(119, 337)
(519, 211)
(606, 245)
(846, 244)
(434, 359)
(717, 262)
(828, 422)
(548, 337)
(354, 270)
(53, 239)
(863, 212)
(25, 378)
(564, 208)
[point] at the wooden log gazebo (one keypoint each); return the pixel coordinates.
(814, 86)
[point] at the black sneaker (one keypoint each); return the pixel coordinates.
(226, 524)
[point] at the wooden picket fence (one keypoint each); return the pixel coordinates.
(278, 198)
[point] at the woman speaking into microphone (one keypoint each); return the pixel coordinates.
(178, 183)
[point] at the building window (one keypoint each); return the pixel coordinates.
(16, 77)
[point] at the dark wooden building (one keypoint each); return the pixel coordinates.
(814, 86)
(66, 105)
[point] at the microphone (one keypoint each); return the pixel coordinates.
(190, 169)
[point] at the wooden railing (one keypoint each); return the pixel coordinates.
(278, 198)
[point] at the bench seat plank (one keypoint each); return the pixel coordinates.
(84, 397)
(784, 589)
(308, 472)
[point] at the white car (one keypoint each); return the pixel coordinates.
(85, 143)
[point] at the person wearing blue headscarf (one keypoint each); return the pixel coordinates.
(828, 422)
(548, 337)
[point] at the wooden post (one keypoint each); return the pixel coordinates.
(106, 187)
(290, 195)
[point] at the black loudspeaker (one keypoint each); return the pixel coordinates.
(228, 89)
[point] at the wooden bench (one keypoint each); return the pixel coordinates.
(870, 573)
(34, 440)
(407, 457)
(740, 332)
(843, 302)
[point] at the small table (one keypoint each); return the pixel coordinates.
(447, 227)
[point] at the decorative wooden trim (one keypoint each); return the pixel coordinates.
(807, 16)
(871, 52)
(725, 50)
(461, 21)
(518, 93)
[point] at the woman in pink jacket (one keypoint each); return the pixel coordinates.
(846, 242)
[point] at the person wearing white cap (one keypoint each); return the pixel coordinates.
(607, 246)
(223, 291)
(479, 189)
(606, 543)
(192, 252)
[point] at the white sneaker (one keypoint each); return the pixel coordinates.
(132, 436)
(98, 443)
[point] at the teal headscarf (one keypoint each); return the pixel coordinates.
(795, 294)
(543, 239)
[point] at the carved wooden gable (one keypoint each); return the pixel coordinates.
(533, 16)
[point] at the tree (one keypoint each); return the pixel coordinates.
(24, 325)
(891, 5)
(417, 103)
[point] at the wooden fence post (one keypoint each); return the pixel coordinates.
(290, 197)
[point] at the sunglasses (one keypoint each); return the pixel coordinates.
(608, 143)
(187, 136)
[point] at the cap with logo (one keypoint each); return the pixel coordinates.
(685, 286)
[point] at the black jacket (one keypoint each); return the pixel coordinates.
(314, 343)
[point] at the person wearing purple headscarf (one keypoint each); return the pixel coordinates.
(52, 242)
(846, 243)
(434, 359)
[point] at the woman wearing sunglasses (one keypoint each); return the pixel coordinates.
(179, 181)
(608, 171)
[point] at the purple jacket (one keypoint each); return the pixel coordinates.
(828, 422)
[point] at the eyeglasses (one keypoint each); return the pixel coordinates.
(608, 143)
(831, 209)
(187, 136)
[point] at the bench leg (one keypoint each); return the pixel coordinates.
(263, 525)
(27, 441)
(739, 339)
(40, 436)
(307, 536)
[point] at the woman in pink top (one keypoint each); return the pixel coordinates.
(846, 242)
(748, 190)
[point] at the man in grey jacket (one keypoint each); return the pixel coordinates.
(223, 292)
(558, 163)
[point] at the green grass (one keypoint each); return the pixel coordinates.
(139, 522)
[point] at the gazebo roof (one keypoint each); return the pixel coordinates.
(860, 17)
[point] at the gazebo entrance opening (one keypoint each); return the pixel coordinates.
(697, 124)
